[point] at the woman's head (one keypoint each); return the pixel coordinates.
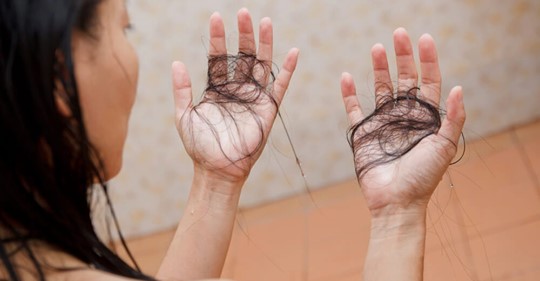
(106, 71)
(67, 83)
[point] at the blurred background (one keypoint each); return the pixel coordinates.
(490, 48)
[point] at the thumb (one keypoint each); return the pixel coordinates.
(455, 116)
(284, 77)
(181, 89)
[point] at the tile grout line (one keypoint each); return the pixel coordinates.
(526, 160)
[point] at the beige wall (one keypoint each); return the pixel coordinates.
(492, 48)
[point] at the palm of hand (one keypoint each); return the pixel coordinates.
(412, 178)
(227, 130)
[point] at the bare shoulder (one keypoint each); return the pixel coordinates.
(86, 275)
(92, 275)
(205, 280)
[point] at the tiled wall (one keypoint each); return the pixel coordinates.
(491, 48)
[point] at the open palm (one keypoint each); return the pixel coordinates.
(410, 177)
(226, 132)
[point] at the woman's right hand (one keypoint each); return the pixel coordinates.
(408, 181)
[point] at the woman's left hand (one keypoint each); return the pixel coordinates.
(226, 132)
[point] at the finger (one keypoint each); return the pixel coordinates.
(246, 40)
(429, 66)
(284, 77)
(265, 52)
(265, 40)
(246, 45)
(407, 75)
(383, 83)
(217, 36)
(217, 61)
(181, 89)
(455, 116)
(348, 93)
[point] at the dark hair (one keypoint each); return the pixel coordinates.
(48, 166)
(237, 84)
(398, 123)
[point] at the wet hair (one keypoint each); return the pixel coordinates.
(48, 167)
(398, 123)
(237, 84)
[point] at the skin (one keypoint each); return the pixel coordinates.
(106, 70)
(397, 194)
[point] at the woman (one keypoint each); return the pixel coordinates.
(69, 77)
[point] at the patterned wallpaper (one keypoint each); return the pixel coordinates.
(491, 48)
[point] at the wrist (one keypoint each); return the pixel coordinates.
(389, 224)
(418, 208)
(233, 177)
(215, 182)
(214, 192)
(397, 241)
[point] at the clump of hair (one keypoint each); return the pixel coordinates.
(229, 74)
(398, 123)
(237, 84)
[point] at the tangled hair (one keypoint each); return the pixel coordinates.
(238, 85)
(48, 166)
(398, 123)
(228, 74)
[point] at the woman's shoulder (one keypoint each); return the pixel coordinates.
(92, 275)
(86, 275)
